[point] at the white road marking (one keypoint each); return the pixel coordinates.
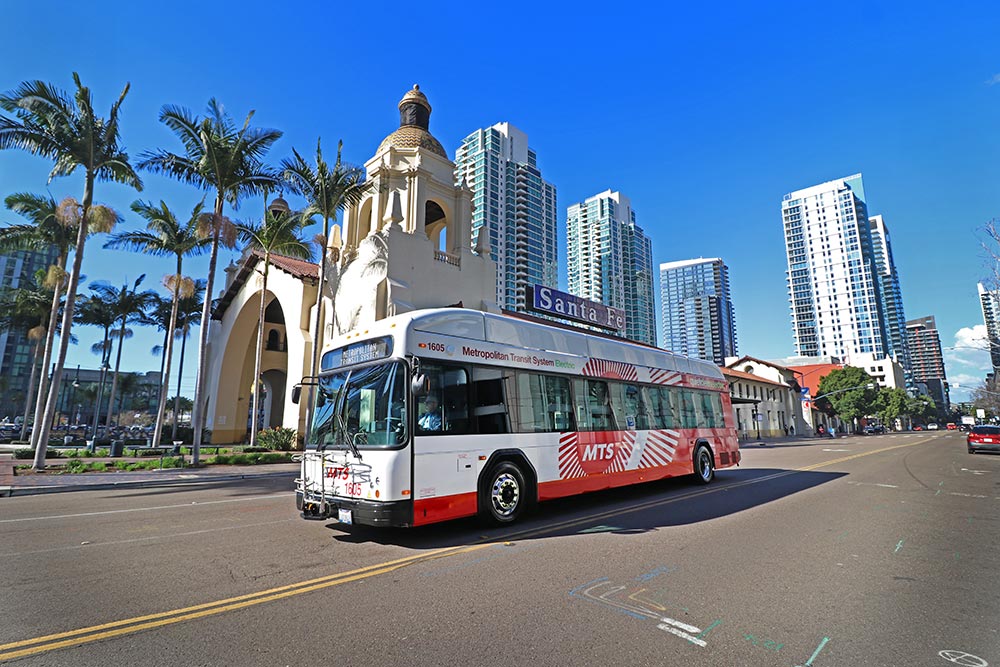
(146, 509)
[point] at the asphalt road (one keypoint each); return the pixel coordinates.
(879, 550)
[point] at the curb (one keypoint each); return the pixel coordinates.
(8, 491)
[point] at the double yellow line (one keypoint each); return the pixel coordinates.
(26, 647)
(95, 633)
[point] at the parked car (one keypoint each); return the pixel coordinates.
(874, 429)
(983, 438)
(951, 426)
(932, 427)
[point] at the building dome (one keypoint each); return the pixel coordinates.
(414, 121)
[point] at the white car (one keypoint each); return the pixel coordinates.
(932, 427)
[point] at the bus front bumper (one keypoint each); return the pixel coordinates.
(397, 513)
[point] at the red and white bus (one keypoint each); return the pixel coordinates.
(524, 412)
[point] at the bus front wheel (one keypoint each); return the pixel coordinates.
(704, 464)
(504, 494)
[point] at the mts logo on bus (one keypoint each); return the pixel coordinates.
(601, 451)
(597, 451)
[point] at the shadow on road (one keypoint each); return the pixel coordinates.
(629, 510)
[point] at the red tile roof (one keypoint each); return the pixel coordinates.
(297, 268)
(810, 375)
(740, 375)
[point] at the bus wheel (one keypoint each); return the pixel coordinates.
(504, 493)
(704, 465)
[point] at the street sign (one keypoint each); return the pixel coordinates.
(804, 390)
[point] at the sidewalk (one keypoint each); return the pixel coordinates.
(788, 441)
(33, 484)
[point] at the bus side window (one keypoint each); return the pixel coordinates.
(633, 406)
(602, 415)
(663, 414)
(544, 404)
(490, 406)
(450, 384)
(689, 416)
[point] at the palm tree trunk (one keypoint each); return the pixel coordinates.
(198, 414)
(50, 337)
(114, 378)
(100, 387)
(165, 378)
(64, 331)
(260, 351)
(31, 388)
(180, 373)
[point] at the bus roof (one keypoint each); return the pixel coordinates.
(517, 332)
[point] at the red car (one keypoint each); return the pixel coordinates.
(983, 438)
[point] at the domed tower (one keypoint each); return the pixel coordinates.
(407, 244)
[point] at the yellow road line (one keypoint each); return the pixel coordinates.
(131, 625)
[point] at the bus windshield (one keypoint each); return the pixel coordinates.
(363, 407)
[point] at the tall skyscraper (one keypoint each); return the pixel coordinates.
(892, 295)
(16, 350)
(989, 301)
(836, 306)
(518, 208)
(698, 315)
(610, 260)
(927, 360)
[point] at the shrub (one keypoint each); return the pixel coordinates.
(24, 453)
(279, 438)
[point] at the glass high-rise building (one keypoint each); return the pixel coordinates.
(16, 350)
(516, 206)
(891, 294)
(698, 315)
(928, 360)
(989, 301)
(833, 285)
(610, 260)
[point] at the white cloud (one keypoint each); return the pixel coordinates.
(994, 81)
(969, 353)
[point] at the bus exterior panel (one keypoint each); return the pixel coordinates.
(436, 476)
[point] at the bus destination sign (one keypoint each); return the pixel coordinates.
(571, 307)
(357, 353)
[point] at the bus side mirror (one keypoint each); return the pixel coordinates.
(296, 393)
(420, 385)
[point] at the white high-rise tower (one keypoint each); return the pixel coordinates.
(516, 206)
(833, 282)
(610, 260)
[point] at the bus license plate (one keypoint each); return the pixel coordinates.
(344, 516)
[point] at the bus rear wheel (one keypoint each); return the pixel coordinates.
(504, 494)
(704, 464)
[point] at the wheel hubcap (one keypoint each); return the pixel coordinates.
(505, 494)
(706, 466)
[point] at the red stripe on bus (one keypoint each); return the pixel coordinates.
(432, 510)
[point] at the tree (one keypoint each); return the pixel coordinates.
(165, 235)
(96, 310)
(921, 407)
(50, 225)
(188, 315)
(129, 307)
(278, 234)
(847, 391)
(49, 123)
(221, 158)
(890, 404)
(327, 193)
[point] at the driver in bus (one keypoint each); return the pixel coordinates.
(430, 420)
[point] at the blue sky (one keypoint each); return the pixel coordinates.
(704, 116)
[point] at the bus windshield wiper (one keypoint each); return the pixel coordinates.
(343, 432)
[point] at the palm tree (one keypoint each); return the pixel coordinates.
(50, 225)
(278, 234)
(127, 384)
(164, 235)
(48, 122)
(225, 159)
(96, 311)
(159, 316)
(26, 308)
(129, 306)
(327, 192)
